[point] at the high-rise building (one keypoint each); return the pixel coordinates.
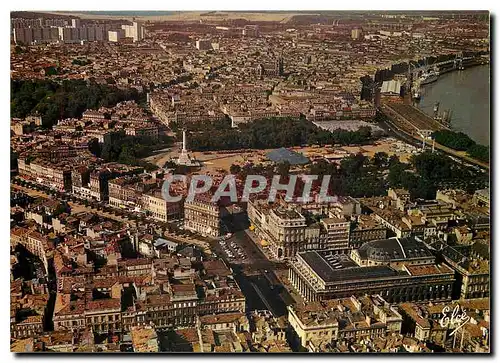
(50, 35)
(100, 33)
(139, 29)
(35, 35)
(75, 23)
(134, 31)
(251, 30)
(91, 34)
(356, 33)
(66, 35)
(204, 44)
(25, 23)
(116, 35)
(55, 22)
(75, 34)
(23, 35)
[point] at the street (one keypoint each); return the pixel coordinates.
(77, 207)
(259, 278)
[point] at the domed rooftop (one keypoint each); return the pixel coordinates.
(394, 248)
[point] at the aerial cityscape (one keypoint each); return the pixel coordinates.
(241, 182)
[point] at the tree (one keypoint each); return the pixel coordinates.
(454, 140)
(94, 147)
(396, 170)
(432, 166)
(380, 159)
(234, 169)
(71, 97)
(270, 133)
(479, 152)
(283, 168)
(422, 189)
(394, 159)
(462, 142)
(353, 163)
(130, 150)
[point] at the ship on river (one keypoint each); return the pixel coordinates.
(429, 77)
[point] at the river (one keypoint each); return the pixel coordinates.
(467, 94)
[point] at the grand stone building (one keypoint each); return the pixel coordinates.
(320, 275)
(319, 324)
(271, 69)
(286, 230)
(394, 252)
(203, 216)
(472, 270)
